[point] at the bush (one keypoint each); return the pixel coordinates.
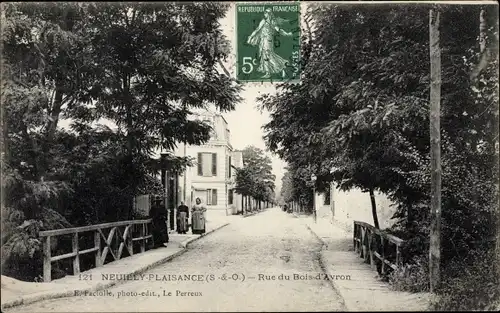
(411, 277)
(477, 288)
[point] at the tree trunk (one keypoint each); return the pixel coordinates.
(435, 138)
(51, 126)
(374, 209)
(130, 145)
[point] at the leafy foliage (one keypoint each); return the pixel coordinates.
(360, 118)
(141, 67)
(255, 179)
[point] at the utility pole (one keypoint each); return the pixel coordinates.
(184, 185)
(435, 146)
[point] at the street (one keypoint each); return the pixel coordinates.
(266, 262)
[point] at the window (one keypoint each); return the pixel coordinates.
(207, 164)
(230, 196)
(211, 196)
(326, 195)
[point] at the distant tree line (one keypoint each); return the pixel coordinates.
(255, 180)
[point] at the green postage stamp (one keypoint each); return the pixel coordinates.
(268, 42)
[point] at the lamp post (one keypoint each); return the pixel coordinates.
(332, 198)
(313, 179)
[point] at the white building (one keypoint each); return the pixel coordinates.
(212, 177)
(345, 207)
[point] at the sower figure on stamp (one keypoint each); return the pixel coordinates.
(198, 217)
(182, 218)
(158, 217)
(263, 38)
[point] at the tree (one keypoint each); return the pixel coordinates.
(362, 109)
(155, 62)
(140, 66)
(255, 179)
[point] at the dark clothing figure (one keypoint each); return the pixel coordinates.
(182, 218)
(285, 208)
(159, 229)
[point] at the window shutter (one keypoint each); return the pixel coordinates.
(200, 164)
(214, 164)
(214, 196)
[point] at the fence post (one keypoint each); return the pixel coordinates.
(128, 240)
(143, 234)
(354, 237)
(382, 244)
(76, 259)
(97, 244)
(47, 266)
(370, 250)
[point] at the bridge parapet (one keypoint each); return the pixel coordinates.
(379, 249)
(110, 239)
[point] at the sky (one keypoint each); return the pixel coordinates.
(245, 123)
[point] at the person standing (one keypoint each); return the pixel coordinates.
(158, 216)
(198, 217)
(182, 218)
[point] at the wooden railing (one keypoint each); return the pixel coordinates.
(382, 251)
(125, 233)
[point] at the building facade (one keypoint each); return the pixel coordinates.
(212, 177)
(345, 207)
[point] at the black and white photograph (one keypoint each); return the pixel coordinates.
(141, 173)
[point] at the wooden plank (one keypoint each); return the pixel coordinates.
(108, 247)
(370, 250)
(97, 245)
(389, 237)
(383, 254)
(89, 250)
(65, 231)
(63, 256)
(47, 266)
(362, 243)
(120, 250)
(109, 240)
(435, 148)
(76, 259)
(105, 253)
(143, 233)
(127, 238)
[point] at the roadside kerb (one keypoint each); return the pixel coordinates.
(254, 213)
(324, 268)
(71, 291)
(186, 242)
(364, 292)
